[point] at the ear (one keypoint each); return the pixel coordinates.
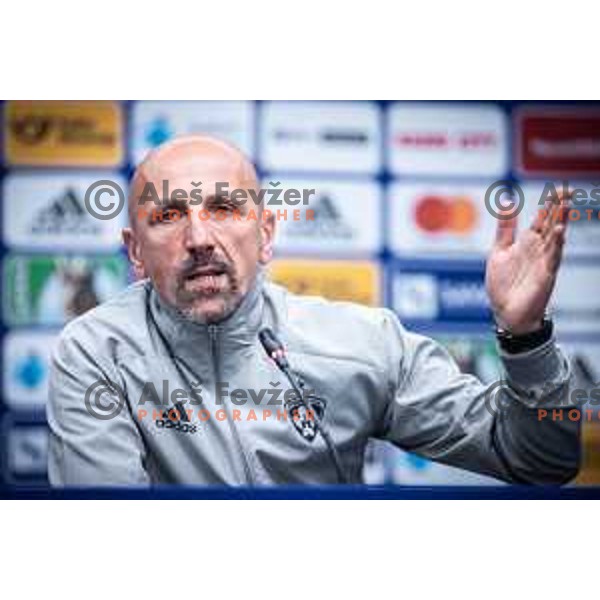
(134, 251)
(267, 236)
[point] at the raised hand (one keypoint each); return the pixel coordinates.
(521, 271)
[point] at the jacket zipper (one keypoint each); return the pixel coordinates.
(213, 336)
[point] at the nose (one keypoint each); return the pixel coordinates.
(198, 234)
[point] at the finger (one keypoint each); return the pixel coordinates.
(551, 213)
(556, 247)
(540, 217)
(507, 227)
(547, 217)
(560, 220)
(564, 210)
(561, 209)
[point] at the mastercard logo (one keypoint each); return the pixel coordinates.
(446, 214)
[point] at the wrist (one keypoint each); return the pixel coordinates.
(522, 328)
(525, 338)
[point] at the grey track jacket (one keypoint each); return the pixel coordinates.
(214, 403)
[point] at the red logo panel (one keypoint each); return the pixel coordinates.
(562, 141)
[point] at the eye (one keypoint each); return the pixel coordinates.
(167, 215)
(222, 203)
(173, 215)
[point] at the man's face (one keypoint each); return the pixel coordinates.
(202, 266)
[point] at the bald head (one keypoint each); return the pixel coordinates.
(192, 158)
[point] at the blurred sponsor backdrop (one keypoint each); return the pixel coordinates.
(399, 220)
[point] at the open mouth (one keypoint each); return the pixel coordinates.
(207, 279)
(206, 272)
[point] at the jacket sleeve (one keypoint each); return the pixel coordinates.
(438, 412)
(87, 449)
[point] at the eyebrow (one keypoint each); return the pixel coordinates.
(171, 203)
(217, 199)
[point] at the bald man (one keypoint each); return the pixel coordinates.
(169, 381)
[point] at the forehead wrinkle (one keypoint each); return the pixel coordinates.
(192, 156)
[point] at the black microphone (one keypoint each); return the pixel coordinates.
(273, 347)
(275, 350)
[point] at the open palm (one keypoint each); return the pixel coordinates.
(521, 271)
